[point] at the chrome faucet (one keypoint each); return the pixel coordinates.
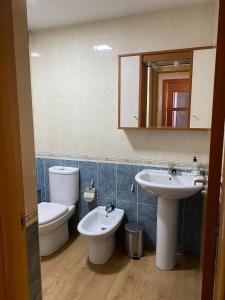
(203, 180)
(171, 169)
(109, 207)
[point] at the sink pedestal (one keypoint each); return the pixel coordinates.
(167, 227)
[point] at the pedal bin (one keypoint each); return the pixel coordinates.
(134, 240)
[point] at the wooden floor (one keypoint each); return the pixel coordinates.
(68, 275)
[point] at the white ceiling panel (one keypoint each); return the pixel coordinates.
(52, 13)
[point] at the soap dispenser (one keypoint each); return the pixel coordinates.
(195, 169)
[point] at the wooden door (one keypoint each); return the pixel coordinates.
(2, 272)
(13, 245)
(176, 103)
(215, 163)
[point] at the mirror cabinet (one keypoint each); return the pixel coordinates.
(167, 90)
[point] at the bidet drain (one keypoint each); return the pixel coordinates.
(103, 228)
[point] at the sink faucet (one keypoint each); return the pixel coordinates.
(109, 207)
(171, 169)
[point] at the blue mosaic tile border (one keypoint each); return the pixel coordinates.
(115, 182)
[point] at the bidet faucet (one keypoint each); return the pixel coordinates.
(109, 207)
(171, 169)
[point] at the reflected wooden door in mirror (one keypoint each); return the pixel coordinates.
(175, 108)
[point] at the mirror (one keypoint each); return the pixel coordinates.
(167, 90)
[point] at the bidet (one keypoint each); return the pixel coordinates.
(99, 226)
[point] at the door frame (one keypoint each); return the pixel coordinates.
(220, 265)
(215, 164)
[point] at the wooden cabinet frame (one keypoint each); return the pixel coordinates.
(142, 101)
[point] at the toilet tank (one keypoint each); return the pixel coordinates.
(64, 185)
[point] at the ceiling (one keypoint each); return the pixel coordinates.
(51, 13)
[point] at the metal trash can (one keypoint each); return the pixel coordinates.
(134, 240)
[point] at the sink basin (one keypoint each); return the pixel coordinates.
(169, 189)
(168, 186)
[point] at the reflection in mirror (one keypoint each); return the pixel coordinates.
(168, 95)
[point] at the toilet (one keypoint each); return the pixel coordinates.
(53, 216)
(99, 227)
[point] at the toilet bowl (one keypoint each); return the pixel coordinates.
(99, 227)
(53, 226)
(53, 216)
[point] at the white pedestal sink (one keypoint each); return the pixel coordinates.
(169, 189)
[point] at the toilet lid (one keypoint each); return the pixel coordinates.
(48, 212)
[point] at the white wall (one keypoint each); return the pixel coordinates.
(75, 87)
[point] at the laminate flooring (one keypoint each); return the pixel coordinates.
(68, 275)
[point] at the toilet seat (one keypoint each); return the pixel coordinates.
(48, 212)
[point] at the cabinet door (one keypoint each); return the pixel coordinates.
(129, 91)
(202, 88)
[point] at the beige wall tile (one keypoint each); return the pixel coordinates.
(75, 88)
